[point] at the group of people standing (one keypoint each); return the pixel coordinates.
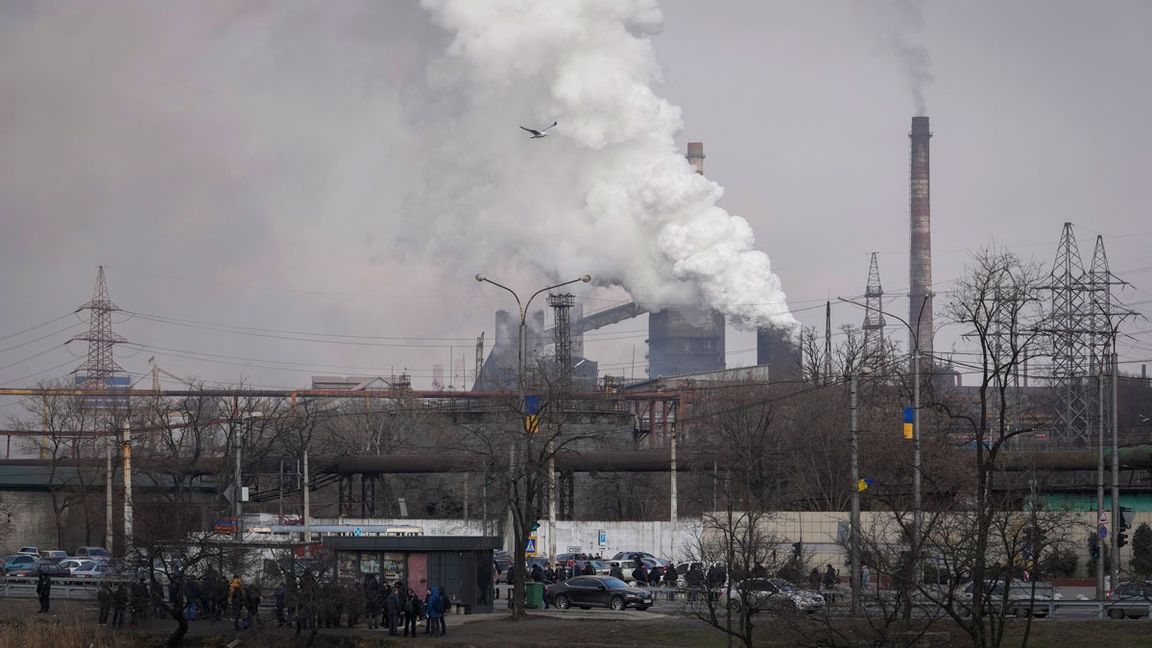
(399, 605)
(303, 602)
(125, 603)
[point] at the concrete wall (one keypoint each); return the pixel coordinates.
(26, 519)
(819, 531)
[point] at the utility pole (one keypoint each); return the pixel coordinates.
(1100, 519)
(854, 544)
(238, 489)
(307, 500)
(108, 495)
(1116, 521)
(127, 453)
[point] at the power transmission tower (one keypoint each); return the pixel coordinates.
(562, 335)
(1072, 336)
(101, 363)
(873, 315)
(1100, 306)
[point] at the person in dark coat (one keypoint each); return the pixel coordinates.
(714, 577)
(549, 574)
(138, 602)
(280, 598)
(831, 578)
(238, 595)
(104, 600)
(814, 579)
(759, 571)
(252, 604)
(670, 575)
(44, 591)
(392, 611)
(537, 574)
(561, 573)
(373, 599)
(695, 581)
(412, 609)
(640, 575)
(616, 572)
(119, 605)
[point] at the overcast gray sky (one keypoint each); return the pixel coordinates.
(253, 164)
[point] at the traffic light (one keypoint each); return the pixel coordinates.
(535, 526)
(1094, 546)
(797, 550)
(1121, 539)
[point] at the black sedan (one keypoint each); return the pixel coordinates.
(600, 591)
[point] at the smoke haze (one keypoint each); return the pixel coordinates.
(913, 56)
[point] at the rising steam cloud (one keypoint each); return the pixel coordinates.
(609, 193)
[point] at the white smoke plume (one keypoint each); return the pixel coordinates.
(609, 193)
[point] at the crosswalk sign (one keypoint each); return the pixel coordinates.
(530, 547)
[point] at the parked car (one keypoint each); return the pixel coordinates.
(20, 565)
(502, 559)
(682, 571)
(586, 592)
(52, 568)
(54, 554)
(93, 569)
(73, 564)
(29, 551)
(1021, 600)
(770, 594)
(628, 566)
(1129, 600)
(92, 552)
(600, 567)
(633, 555)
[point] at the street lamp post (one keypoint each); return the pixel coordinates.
(854, 544)
(238, 489)
(521, 353)
(917, 508)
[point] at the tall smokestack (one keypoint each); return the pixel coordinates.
(696, 156)
(686, 339)
(920, 261)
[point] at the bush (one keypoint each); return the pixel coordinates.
(1059, 563)
(1142, 551)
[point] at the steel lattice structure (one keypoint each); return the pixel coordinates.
(1074, 336)
(562, 334)
(101, 363)
(873, 314)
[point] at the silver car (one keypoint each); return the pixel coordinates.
(774, 594)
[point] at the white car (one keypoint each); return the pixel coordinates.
(92, 569)
(76, 564)
(771, 594)
(29, 551)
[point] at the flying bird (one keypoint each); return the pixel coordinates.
(537, 134)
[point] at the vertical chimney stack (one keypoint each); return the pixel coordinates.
(696, 156)
(920, 261)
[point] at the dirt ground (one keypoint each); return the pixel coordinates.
(71, 625)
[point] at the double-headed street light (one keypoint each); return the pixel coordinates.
(521, 353)
(917, 508)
